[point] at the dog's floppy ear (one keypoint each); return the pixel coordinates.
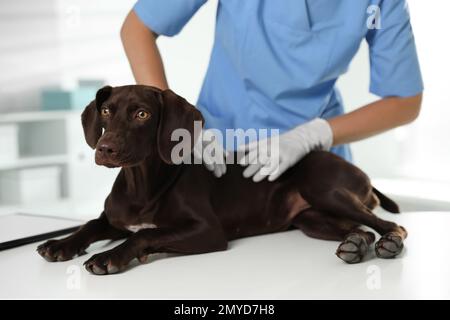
(175, 113)
(90, 118)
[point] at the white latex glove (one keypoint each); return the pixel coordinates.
(208, 149)
(292, 147)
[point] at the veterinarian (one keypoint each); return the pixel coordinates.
(275, 64)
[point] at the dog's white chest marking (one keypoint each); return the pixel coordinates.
(135, 228)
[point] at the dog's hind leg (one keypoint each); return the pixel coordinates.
(321, 225)
(346, 205)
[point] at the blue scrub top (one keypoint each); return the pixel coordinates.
(274, 64)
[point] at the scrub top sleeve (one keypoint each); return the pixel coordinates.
(166, 17)
(394, 65)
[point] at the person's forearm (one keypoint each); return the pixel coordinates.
(374, 118)
(142, 52)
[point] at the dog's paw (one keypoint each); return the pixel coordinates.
(353, 248)
(59, 250)
(389, 246)
(108, 262)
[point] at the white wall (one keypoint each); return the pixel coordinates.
(53, 42)
(49, 42)
(420, 150)
(430, 157)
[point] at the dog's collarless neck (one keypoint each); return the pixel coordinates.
(150, 179)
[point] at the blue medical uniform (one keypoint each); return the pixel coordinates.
(274, 64)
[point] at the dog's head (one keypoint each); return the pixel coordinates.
(127, 124)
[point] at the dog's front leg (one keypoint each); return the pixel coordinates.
(147, 241)
(75, 244)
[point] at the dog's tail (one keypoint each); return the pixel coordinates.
(385, 202)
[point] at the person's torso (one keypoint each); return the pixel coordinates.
(274, 64)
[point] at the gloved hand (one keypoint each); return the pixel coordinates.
(208, 149)
(292, 147)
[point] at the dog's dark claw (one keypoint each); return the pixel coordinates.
(389, 246)
(353, 249)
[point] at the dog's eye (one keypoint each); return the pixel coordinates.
(142, 115)
(105, 112)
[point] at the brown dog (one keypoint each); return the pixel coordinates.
(161, 207)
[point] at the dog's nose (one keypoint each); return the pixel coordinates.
(107, 149)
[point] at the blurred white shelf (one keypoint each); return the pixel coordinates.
(37, 161)
(37, 116)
